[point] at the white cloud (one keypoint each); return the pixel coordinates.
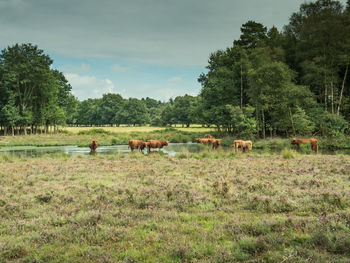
(118, 68)
(85, 87)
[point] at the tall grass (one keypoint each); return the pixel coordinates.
(155, 208)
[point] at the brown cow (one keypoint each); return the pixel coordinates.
(156, 144)
(247, 145)
(313, 142)
(238, 144)
(204, 141)
(136, 144)
(93, 145)
(215, 142)
(208, 136)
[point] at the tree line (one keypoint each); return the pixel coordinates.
(114, 110)
(33, 96)
(285, 83)
(269, 82)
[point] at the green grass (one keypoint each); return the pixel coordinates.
(105, 136)
(128, 129)
(141, 208)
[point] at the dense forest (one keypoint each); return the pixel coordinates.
(269, 82)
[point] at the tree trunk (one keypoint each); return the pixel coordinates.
(263, 124)
(25, 129)
(342, 87)
(257, 121)
(241, 86)
(332, 94)
(291, 119)
(13, 130)
(325, 92)
(5, 130)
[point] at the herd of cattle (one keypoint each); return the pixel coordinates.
(239, 145)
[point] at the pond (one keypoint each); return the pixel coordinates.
(172, 149)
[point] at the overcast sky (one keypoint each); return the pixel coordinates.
(138, 48)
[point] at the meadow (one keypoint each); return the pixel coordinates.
(209, 207)
(107, 136)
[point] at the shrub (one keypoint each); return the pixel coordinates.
(180, 138)
(95, 131)
(302, 123)
(332, 125)
(288, 153)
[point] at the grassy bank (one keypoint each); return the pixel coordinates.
(183, 209)
(104, 137)
(128, 129)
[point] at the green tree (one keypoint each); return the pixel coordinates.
(132, 112)
(302, 123)
(317, 33)
(27, 74)
(183, 109)
(108, 106)
(168, 115)
(274, 96)
(252, 34)
(10, 114)
(243, 122)
(332, 125)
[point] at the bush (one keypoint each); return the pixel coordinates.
(288, 154)
(302, 123)
(98, 131)
(332, 125)
(180, 138)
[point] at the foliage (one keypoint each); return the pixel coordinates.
(332, 125)
(33, 93)
(132, 112)
(243, 122)
(302, 123)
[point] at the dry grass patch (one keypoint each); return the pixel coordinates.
(159, 209)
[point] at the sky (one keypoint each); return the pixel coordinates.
(137, 48)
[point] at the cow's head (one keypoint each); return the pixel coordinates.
(294, 141)
(165, 143)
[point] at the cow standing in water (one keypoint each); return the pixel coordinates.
(137, 144)
(312, 141)
(156, 144)
(215, 142)
(93, 145)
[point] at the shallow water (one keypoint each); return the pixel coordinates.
(172, 149)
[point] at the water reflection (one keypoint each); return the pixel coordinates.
(171, 150)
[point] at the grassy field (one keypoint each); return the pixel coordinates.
(105, 136)
(290, 208)
(129, 129)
